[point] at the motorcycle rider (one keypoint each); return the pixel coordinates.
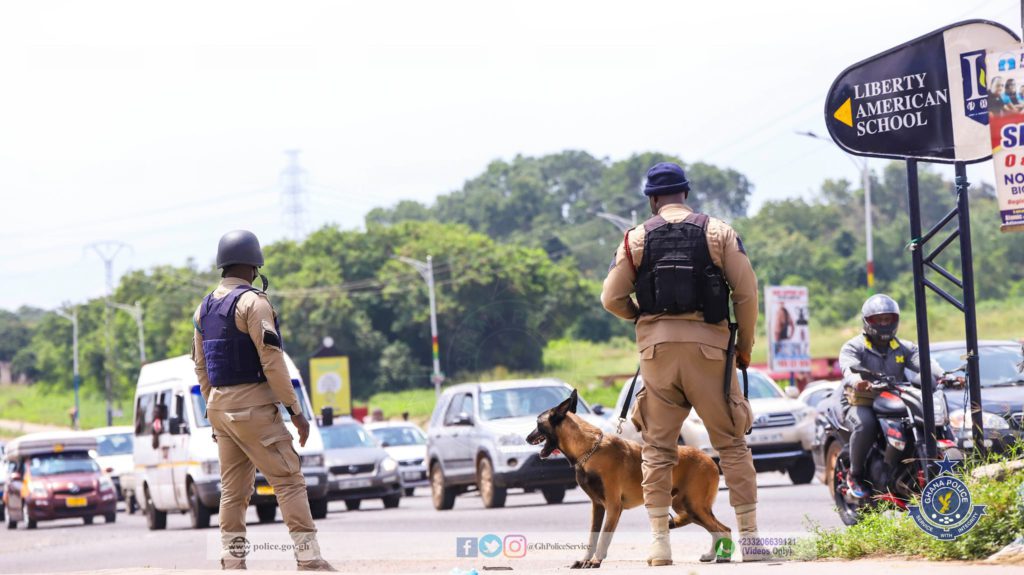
(878, 350)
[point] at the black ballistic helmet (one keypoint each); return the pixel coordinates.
(875, 305)
(239, 247)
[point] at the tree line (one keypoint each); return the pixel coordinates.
(519, 255)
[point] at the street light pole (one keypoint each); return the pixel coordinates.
(865, 177)
(624, 224)
(136, 312)
(77, 379)
(426, 269)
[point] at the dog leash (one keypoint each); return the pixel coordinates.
(625, 404)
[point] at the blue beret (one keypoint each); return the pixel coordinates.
(666, 178)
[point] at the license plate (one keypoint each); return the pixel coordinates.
(354, 483)
(764, 438)
(77, 502)
(410, 475)
(264, 490)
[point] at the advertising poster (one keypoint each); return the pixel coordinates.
(1006, 122)
(331, 384)
(787, 317)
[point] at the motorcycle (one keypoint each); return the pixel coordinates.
(896, 465)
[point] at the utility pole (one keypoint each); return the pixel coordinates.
(294, 195)
(426, 270)
(107, 251)
(136, 312)
(72, 316)
(865, 177)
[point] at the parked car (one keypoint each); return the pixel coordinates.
(176, 460)
(407, 444)
(1002, 391)
(782, 434)
(358, 467)
(54, 476)
(114, 453)
(816, 391)
(476, 439)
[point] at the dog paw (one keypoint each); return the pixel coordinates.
(592, 564)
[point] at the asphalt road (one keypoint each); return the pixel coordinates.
(413, 537)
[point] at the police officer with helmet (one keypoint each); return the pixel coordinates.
(238, 352)
(682, 266)
(879, 350)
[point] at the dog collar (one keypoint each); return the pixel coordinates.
(587, 455)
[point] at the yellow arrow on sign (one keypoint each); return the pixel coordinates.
(845, 113)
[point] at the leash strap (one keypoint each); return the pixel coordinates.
(625, 404)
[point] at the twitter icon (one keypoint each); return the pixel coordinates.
(490, 545)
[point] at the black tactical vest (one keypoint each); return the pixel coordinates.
(676, 274)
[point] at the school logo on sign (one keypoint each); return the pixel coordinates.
(972, 69)
(946, 510)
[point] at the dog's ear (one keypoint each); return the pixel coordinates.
(566, 407)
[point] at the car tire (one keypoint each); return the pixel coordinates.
(443, 496)
(408, 492)
(88, 520)
(353, 504)
(318, 508)
(266, 512)
(199, 514)
(553, 495)
(110, 517)
(28, 521)
(801, 472)
(3, 508)
(392, 501)
(155, 519)
(131, 503)
(492, 495)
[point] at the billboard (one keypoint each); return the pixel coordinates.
(1005, 101)
(331, 385)
(788, 317)
(925, 99)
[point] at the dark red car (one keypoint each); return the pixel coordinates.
(53, 476)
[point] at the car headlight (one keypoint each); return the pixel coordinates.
(313, 460)
(387, 465)
(106, 484)
(960, 419)
(38, 491)
(512, 439)
(211, 467)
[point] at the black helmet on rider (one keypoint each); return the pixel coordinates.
(881, 315)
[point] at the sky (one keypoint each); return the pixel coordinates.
(164, 125)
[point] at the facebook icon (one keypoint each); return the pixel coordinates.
(466, 546)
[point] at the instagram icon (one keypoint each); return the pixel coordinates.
(515, 546)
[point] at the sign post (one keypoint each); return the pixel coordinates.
(927, 100)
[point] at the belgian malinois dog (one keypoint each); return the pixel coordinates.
(608, 470)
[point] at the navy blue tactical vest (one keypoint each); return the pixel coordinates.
(676, 274)
(231, 356)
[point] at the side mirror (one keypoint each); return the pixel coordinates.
(177, 426)
(327, 416)
(597, 408)
(385, 444)
(792, 392)
(463, 419)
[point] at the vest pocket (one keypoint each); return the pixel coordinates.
(674, 287)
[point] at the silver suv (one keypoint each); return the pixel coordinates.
(782, 435)
(477, 440)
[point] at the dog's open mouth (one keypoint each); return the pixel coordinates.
(536, 438)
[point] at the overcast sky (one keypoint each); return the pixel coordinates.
(163, 125)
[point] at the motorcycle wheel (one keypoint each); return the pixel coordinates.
(847, 510)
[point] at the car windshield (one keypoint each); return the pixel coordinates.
(760, 386)
(346, 436)
(59, 463)
(524, 401)
(117, 444)
(404, 435)
(1000, 364)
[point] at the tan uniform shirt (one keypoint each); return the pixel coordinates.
(253, 315)
(726, 253)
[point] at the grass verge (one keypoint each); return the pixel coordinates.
(30, 403)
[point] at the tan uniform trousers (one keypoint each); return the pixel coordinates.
(255, 437)
(678, 376)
